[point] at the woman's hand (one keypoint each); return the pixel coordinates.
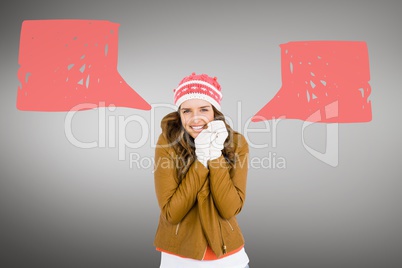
(202, 144)
(219, 135)
(210, 142)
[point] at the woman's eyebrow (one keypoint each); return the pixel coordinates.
(206, 106)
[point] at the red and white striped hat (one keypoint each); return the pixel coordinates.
(199, 86)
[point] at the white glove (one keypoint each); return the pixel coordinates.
(219, 135)
(202, 145)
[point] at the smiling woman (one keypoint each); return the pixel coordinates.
(201, 186)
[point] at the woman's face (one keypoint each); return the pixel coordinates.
(195, 114)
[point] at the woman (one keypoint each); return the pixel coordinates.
(201, 167)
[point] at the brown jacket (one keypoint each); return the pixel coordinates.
(201, 209)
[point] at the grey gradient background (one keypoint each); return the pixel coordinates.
(63, 206)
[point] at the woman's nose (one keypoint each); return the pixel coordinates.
(198, 118)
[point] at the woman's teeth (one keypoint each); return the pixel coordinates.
(197, 127)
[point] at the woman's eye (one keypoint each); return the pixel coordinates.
(185, 111)
(204, 110)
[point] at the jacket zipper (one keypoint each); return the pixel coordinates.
(223, 241)
(177, 228)
(231, 227)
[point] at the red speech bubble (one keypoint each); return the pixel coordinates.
(322, 81)
(65, 63)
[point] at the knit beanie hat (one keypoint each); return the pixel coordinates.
(199, 86)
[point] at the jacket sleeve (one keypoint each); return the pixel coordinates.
(228, 188)
(175, 199)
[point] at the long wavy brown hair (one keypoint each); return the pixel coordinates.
(183, 143)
